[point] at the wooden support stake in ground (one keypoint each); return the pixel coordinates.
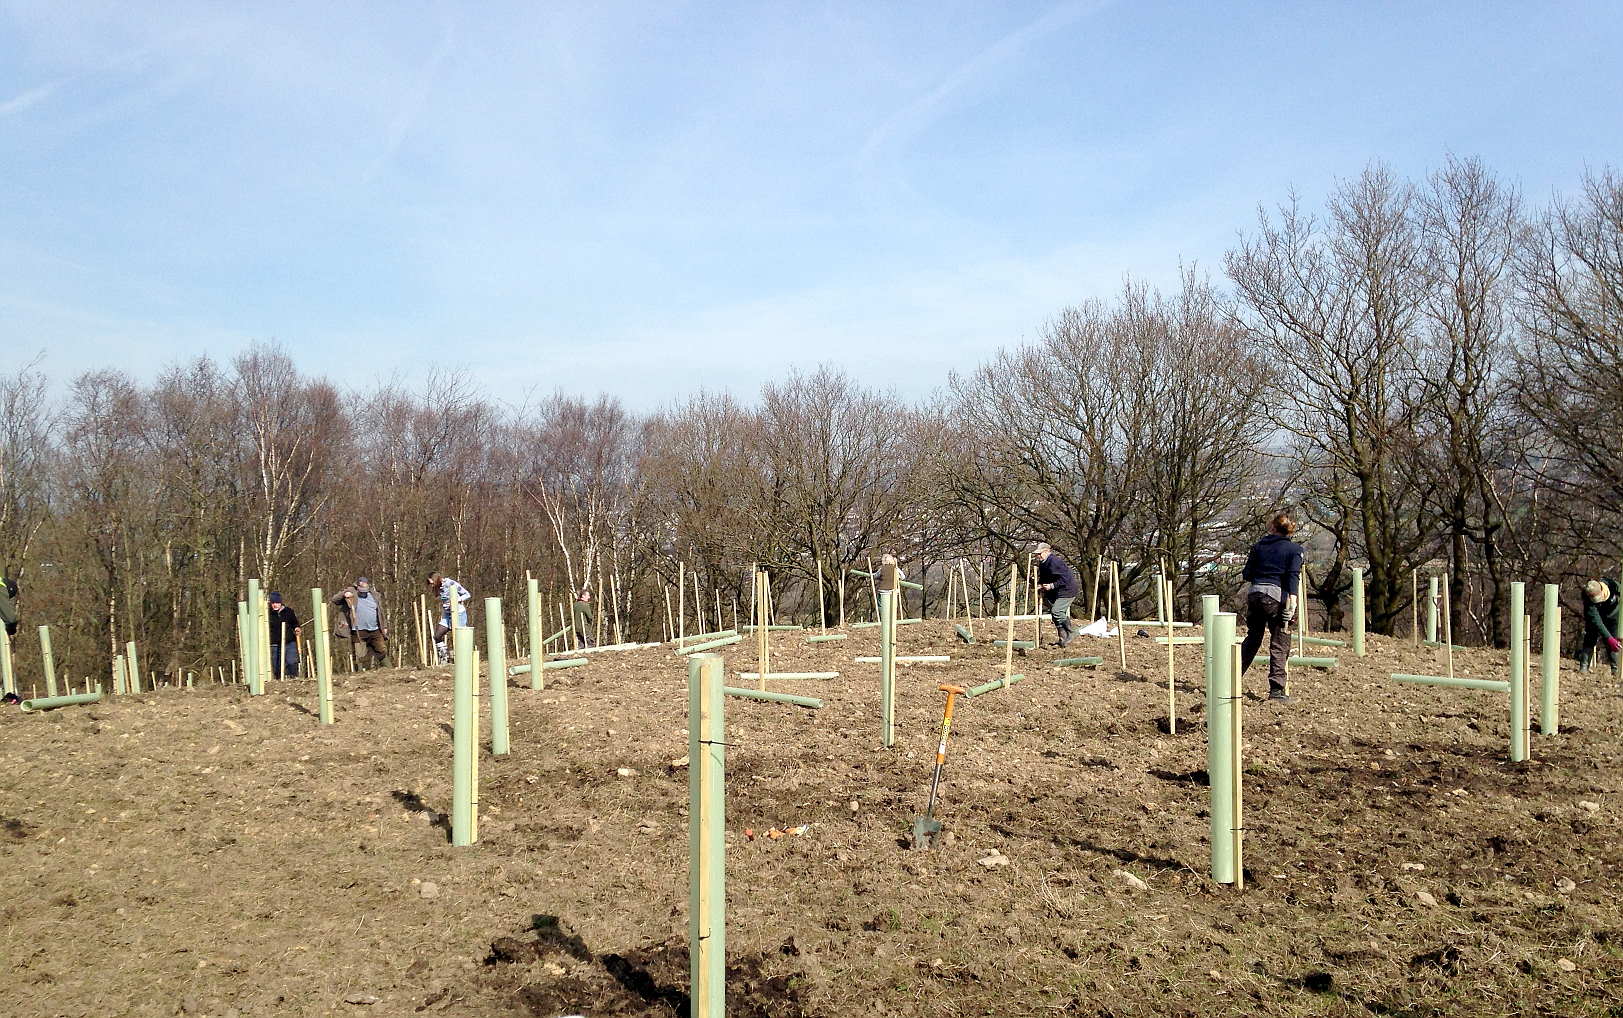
(1518, 672)
(1238, 756)
(670, 620)
(1093, 599)
(1448, 628)
(822, 616)
(614, 604)
(707, 830)
(1549, 686)
(323, 661)
(1121, 613)
(1358, 611)
(1220, 698)
(464, 735)
(496, 656)
(47, 661)
(887, 667)
(1008, 642)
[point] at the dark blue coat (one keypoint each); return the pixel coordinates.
(1057, 571)
(1274, 559)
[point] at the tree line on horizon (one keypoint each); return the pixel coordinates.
(1429, 372)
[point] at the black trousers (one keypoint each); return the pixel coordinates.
(1263, 614)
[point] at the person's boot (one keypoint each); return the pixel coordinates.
(1065, 634)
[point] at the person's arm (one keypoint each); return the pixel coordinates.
(1291, 581)
(1592, 615)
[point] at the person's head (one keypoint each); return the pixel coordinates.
(434, 580)
(584, 595)
(1282, 524)
(275, 601)
(363, 585)
(1043, 551)
(1596, 591)
(887, 559)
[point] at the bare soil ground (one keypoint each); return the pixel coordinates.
(204, 852)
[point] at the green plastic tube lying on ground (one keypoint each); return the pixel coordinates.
(997, 683)
(52, 702)
(790, 698)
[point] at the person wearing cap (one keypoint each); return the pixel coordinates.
(343, 620)
(1056, 581)
(371, 633)
(284, 634)
(585, 618)
(1600, 622)
(1272, 572)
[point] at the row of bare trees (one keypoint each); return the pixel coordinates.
(1429, 370)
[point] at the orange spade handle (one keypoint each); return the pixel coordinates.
(946, 722)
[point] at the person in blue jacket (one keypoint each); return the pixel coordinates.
(1272, 572)
(1056, 580)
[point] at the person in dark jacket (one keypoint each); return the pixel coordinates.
(1601, 603)
(371, 631)
(1056, 580)
(584, 618)
(9, 595)
(284, 639)
(1272, 572)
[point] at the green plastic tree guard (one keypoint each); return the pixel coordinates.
(253, 669)
(53, 702)
(1080, 662)
(773, 676)
(133, 663)
(1358, 611)
(1431, 611)
(997, 683)
(963, 634)
(1220, 695)
(465, 738)
(48, 662)
(568, 662)
(707, 833)
(1492, 685)
(699, 648)
(1312, 662)
(532, 620)
(769, 697)
(825, 638)
(496, 656)
(1324, 641)
(1518, 672)
(1018, 644)
(1549, 686)
(8, 673)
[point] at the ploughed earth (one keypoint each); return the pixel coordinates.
(203, 852)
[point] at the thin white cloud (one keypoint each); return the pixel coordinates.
(916, 117)
(30, 98)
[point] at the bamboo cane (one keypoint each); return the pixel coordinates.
(1448, 624)
(822, 615)
(1121, 613)
(1093, 599)
(1008, 643)
(874, 588)
(614, 601)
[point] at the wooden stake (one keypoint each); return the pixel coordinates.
(1121, 613)
(1008, 645)
(1093, 600)
(822, 616)
(1448, 623)
(707, 872)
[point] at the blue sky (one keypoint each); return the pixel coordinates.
(644, 199)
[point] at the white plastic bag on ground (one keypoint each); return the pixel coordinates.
(1100, 627)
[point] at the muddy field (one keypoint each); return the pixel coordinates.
(201, 852)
